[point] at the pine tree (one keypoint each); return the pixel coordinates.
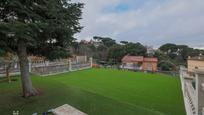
(39, 27)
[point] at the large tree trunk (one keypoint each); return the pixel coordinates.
(27, 87)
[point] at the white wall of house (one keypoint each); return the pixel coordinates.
(131, 66)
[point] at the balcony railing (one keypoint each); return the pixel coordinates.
(193, 96)
(191, 92)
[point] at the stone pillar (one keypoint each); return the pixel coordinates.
(91, 61)
(199, 91)
(70, 65)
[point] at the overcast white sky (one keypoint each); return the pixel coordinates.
(151, 22)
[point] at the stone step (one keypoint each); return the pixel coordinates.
(67, 110)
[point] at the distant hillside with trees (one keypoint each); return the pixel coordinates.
(105, 49)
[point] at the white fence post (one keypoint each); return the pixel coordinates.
(70, 65)
(77, 59)
(85, 58)
(91, 61)
(199, 92)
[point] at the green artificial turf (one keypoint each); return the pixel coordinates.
(98, 92)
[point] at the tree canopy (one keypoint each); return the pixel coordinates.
(179, 51)
(45, 26)
(116, 53)
(108, 42)
(135, 49)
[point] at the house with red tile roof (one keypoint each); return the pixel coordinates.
(139, 63)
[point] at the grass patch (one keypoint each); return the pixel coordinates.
(98, 92)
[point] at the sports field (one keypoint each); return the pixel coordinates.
(98, 92)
